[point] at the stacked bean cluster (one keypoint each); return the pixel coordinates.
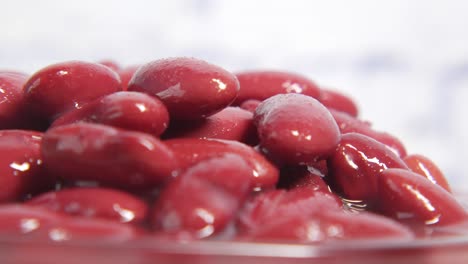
(182, 149)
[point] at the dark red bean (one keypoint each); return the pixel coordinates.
(332, 225)
(356, 165)
(205, 198)
(21, 165)
(232, 123)
(61, 87)
(190, 88)
(303, 176)
(250, 105)
(108, 156)
(88, 229)
(191, 151)
(410, 198)
(126, 110)
(261, 85)
(37, 223)
(126, 75)
(338, 101)
(22, 220)
(295, 129)
(349, 124)
(12, 115)
(94, 203)
(425, 167)
(280, 204)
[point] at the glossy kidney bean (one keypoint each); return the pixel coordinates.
(278, 204)
(261, 85)
(295, 129)
(21, 165)
(355, 166)
(188, 151)
(332, 225)
(64, 86)
(24, 220)
(425, 167)
(36, 223)
(88, 229)
(12, 114)
(102, 203)
(338, 101)
(108, 156)
(408, 197)
(205, 198)
(250, 105)
(349, 124)
(232, 123)
(126, 75)
(126, 110)
(190, 88)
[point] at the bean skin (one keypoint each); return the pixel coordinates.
(425, 167)
(205, 198)
(112, 204)
(189, 151)
(190, 88)
(349, 124)
(108, 156)
(338, 101)
(125, 110)
(21, 167)
(275, 205)
(61, 87)
(355, 166)
(332, 226)
(12, 103)
(260, 85)
(296, 129)
(231, 123)
(410, 198)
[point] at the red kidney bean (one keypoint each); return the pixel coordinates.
(338, 101)
(250, 105)
(108, 156)
(410, 198)
(425, 167)
(349, 124)
(332, 225)
(303, 176)
(279, 204)
(94, 203)
(126, 75)
(356, 165)
(12, 115)
(23, 220)
(232, 123)
(190, 88)
(205, 198)
(61, 87)
(126, 110)
(295, 129)
(261, 85)
(188, 152)
(21, 165)
(38, 223)
(89, 229)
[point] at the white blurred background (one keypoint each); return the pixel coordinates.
(405, 62)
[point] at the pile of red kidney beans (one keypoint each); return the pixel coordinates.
(181, 149)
